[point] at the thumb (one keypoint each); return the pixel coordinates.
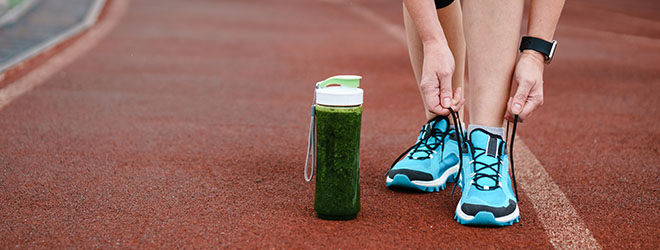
(445, 92)
(520, 98)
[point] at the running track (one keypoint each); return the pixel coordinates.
(174, 124)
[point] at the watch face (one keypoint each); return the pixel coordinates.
(552, 52)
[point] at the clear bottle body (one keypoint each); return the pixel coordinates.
(337, 194)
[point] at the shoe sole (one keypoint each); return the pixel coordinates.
(485, 218)
(402, 181)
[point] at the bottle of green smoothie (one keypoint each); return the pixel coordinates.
(335, 137)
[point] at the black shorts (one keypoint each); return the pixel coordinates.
(439, 4)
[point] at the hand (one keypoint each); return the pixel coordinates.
(437, 71)
(528, 77)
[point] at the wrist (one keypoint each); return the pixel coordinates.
(546, 49)
(537, 56)
(436, 49)
(431, 43)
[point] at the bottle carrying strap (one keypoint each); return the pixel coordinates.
(311, 143)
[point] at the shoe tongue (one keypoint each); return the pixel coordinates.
(484, 141)
(441, 125)
(437, 123)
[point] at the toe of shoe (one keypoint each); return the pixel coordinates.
(404, 182)
(485, 219)
(485, 215)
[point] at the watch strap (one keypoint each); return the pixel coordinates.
(537, 44)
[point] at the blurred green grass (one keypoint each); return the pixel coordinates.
(14, 3)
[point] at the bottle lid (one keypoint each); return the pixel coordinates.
(341, 90)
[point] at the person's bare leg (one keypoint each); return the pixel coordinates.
(451, 19)
(492, 32)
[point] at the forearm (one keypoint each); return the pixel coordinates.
(425, 18)
(543, 18)
(528, 74)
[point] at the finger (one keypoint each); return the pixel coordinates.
(508, 116)
(441, 112)
(520, 98)
(458, 100)
(445, 91)
(459, 105)
(430, 92)
(432, 102)
(434, 106)
(530, 107)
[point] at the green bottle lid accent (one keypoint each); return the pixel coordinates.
(351, 81)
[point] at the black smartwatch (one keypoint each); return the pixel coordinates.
(544, 47)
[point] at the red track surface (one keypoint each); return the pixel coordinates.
(187, 126)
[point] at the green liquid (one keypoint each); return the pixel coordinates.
(337, 194)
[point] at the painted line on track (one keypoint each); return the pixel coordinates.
(42, 73)
(561, 222)
(395, 31)
(87, 22)
(563, 225)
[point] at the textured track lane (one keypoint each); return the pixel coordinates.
(187, 126)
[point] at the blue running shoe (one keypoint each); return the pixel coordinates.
(431, 162)
(487, 196)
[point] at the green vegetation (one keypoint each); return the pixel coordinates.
(14, 3)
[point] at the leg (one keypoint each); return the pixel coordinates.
(451, 19)
(419, 167)
(492, 30)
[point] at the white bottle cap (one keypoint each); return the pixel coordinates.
(339, 90)
(339, 96)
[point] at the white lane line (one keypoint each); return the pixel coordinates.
(391, 29)
(563, 225)
(561, 221)
(39, 75)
